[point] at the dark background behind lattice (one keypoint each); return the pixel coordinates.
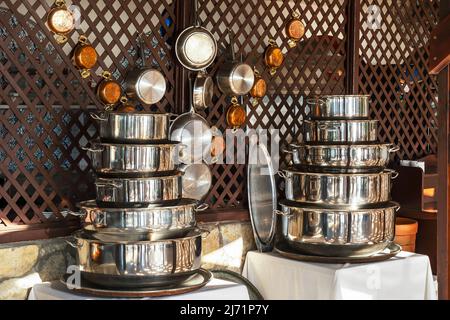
(44, 103)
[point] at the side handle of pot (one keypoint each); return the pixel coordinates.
(282, 213)
(97, 117)
(202, 207)
(108, 184)
(393, 148)
(74, 244)
(315, 101)
(394, 174)
(74, 213)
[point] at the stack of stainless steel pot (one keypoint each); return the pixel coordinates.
(338, 188)
(139, 231)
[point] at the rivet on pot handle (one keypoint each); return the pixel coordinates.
(97, 117)
(202, 207)
(394, 149)
(282, 213)
(74, 245)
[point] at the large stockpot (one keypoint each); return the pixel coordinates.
(345, 156)
(133, 127)
(153, 188)
(338, 232)
(340, 106)
(120, 158)
(151, 222)
(338, 188)
(351, 131)
(138, 263)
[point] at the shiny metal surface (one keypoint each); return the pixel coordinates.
(342, 156)
(138, 263)
(119, 158)
(340, 106)
(147, 85)
(193, 131)
(337, 188)
(196, 180)
(152, 222)
(235, 78)
(155, 188)
(196, 48)
(262, 197)
(203, 91)
(133, 127)
(358, 131)
(338, 232)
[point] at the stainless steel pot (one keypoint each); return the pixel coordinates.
(338, 189)
(138, 127)
(144, 158)
(196, 181)
(340, 106)
(203, 91)
(338, 232)
(196, 47)
(235, 78)
(151, 189)
(357, 131)
(151, 222)
(146, 84)
(127, 264)
(359, 156)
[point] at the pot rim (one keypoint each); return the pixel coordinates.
(156, 143)
(343, 209)
(299, 172)
(184, 202)
(78, 235)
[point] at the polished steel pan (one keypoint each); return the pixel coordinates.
(340, 106)
(338, 188)
(338, 232)
(351, 131)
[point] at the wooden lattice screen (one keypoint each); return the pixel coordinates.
(44, 104)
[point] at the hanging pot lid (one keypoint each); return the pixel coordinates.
(262, 197)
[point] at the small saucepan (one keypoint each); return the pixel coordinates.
(84, 56)
(61, 21)
(235, 78)
(108, 90)
(145, 84)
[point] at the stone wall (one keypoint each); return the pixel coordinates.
(24, 264)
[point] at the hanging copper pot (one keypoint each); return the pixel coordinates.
(125, 106)
(295, 29)
(236, 114)
(60, 20)
(273, 57)
(259, 88)
(108, 90)
(84, 56)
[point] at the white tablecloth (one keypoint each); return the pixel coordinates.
(406, 276)
(215, 290)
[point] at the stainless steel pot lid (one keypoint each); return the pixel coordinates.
(242, 79)
(196, 181)
(262, 196)
(151, 86)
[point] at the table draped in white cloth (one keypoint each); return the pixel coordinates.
(405, 276)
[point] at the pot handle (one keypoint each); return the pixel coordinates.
(92, 149)
(294, 145)
(282, 213)
(283, 174)
(202, 207)
(74, 213)
(204, 232)
(315, 100)
(393, 148)
(394, 174)
(108, 184)
(329, 127)
(287, 151)
(397, 208)
(97, 117)
(73, 244)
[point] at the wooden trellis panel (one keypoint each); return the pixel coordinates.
(45, 104)
(393, 62)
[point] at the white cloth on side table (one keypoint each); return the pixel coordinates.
(405, 276)
(216, 289)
